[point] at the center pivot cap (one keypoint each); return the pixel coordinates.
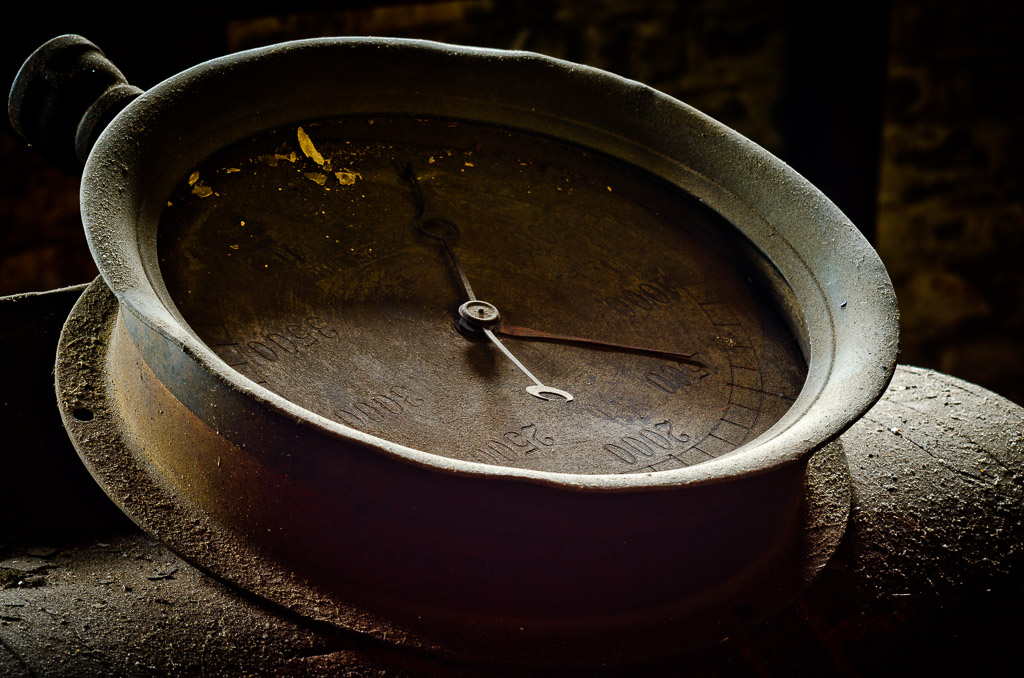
(479, 313)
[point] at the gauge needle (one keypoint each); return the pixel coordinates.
(527, 333)
(478, 314)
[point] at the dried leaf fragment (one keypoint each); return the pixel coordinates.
(347, 178)
(306, 144)
(273, 158)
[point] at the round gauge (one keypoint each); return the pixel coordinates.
(309, 260)
(470, 350)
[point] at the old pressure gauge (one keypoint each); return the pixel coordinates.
(475, 351)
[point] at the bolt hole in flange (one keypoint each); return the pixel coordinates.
(82, 414)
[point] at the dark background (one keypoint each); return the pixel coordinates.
(908, 114)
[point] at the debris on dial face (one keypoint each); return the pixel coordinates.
(198, 187)
(273, 158)
(347, 178)
(202, 190)
(306, 144)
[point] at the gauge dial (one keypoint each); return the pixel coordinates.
(309, 259)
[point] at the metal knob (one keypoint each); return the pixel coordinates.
(65, 94)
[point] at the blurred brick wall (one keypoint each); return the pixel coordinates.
(728, 56)
(907, 114)
(951, 200)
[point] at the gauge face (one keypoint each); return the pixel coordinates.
(328, 263)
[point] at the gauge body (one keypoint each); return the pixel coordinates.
(286, 364)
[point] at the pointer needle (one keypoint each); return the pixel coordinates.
(481, 315)
(527, 333)
(476, 313)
